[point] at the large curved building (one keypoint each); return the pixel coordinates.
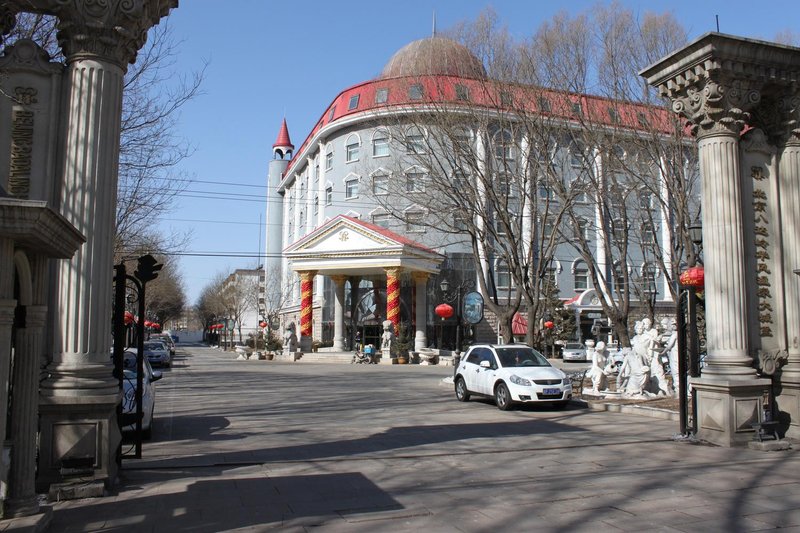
(356, 238)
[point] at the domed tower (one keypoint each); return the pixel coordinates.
(436, 56)
(282, 152)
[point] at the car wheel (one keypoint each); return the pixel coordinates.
(462, 394)
(502, 397)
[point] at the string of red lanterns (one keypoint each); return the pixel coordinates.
(693, 277)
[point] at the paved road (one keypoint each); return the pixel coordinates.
(257, 445)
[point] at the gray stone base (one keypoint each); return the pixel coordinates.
(728, 408)
(76, 490)
(769, 445)
(788, 403)
(29, 524)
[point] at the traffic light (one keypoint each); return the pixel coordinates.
(147, 268)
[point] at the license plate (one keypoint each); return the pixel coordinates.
(551, 391)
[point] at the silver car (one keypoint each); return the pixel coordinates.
(157, 353)
(149, 377)
(574, 351)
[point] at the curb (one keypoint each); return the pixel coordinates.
(632, 409)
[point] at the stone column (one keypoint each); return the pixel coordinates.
(7, 307)
(789, 185)
(338, 313)
(421, 310)
(393, 297)
(728, 392)
(22, 499)
(306, 309)
(98, 39)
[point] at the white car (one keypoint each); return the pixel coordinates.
(511, 373)
(574, 351)
(149, 377)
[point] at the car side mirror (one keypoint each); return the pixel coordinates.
(157, 375)
(486, 364)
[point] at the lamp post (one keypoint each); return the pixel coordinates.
(455, 294)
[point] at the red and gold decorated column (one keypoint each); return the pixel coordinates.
(393, 297)
(306, 307)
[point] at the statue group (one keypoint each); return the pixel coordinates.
(642, 372)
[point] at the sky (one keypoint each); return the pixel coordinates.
(266, 60)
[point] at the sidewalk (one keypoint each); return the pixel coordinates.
(328, 448)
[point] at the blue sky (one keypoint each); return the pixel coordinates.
(269, 59)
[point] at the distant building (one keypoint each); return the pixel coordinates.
(350, 264)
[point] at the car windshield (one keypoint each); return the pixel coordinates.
(522, 356)
(153, 346)
(574, 346)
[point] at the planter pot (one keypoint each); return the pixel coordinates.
(402, 360)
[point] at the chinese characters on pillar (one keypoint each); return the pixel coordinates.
(761, 229)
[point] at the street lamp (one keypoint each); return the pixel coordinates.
(454, 294)
(696, 236)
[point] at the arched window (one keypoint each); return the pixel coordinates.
(580, 275)
(415, 141)
(351, 186)
(352, 147)
(502, 276)
(504, 145)
(380, 183)
(414, 218)
(380, 218)
(329, 158)
(380, 144)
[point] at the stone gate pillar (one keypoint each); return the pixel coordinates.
(711, 84)
(421, 310)
(78, 400)
(338, 313)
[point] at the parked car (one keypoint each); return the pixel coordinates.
(166, 339)
(157, 353)
(574, 351)
(149, 377)
(511, 373)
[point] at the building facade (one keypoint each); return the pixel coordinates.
(434, 157)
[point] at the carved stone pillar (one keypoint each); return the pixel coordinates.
(306, 309)
(79, 398)
(22, 499)
(338, 313)
(7, 307)
(788, 399)
(421, 310)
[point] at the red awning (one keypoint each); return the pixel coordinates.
(519, 325)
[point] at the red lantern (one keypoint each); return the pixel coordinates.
(693, 277)
(549, 324)
(262, 324)
(128, 318)
(444, 311)
(148, 324)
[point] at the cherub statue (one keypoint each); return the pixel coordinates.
(598, 371)
(671, 349)
(387, 338)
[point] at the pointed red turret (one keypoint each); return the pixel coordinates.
(283, 138)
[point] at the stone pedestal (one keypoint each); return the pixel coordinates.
(726, 409)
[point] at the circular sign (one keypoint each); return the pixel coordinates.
(473, 307)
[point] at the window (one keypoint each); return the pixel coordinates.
(578, 190)
(380, 144)
(329, 195)
(380, 184)
(353, 104)
(316, 205)
(643, 122)
(576, 108)
(504, 185)
(381, 220)
(547, 228)
(415, 182)
(462, 141)
(648, 233)
(351, 188)
(415, 142)
(613, 115)
(648, 279)
(502, 276)
(545, 190)
(645, 199)
(415, 92)
(462, 92)
(544, 104)
(583, 228)
(550, 277)
(504, 145)
(381, 96)
(506, 99)
(459, 221)
(352, 147)
(414, 221)
(619, 273)
(329, 160)
(332, 113)
(576, 156)
(460, 180)
(581, 276)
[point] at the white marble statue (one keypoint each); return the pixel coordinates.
(598, 372)
(387, 339)
(671, 349)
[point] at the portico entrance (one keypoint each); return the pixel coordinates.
(348, 250)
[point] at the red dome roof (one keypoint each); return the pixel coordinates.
(283, 138)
